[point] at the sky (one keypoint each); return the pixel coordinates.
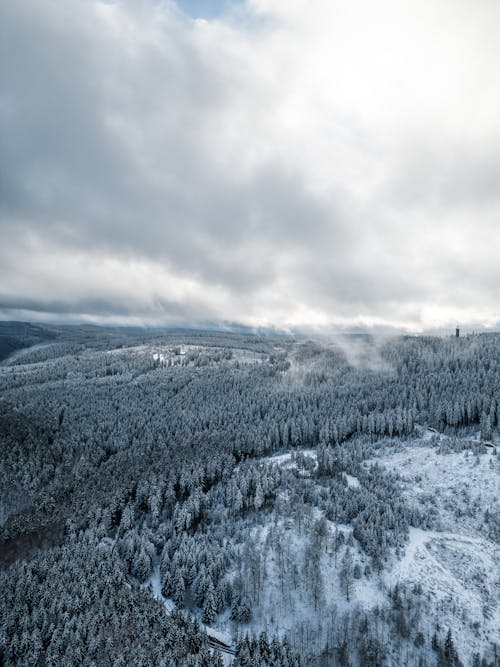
(298, 164)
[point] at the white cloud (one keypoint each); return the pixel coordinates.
(292, 163)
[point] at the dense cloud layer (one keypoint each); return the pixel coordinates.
(288, 163)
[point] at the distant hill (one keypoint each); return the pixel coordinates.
(17, 335)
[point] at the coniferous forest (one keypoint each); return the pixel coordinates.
(189, 498)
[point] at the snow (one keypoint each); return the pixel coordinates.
(455, 573)
(352, 482)
(154, 584)
(460, 486)
(221, 635)
(368, 594)
(456, 563)
(285, 459)
(286, 607)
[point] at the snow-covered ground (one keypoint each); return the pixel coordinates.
(154, 584)
(459, 578)
(456, 564)
(286, 459)
(459, 486)
(352, 482)
(284, 572)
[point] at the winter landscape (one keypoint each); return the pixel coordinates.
(207, 498)
(249, 333)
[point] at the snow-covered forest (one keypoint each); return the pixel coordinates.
(208, 498)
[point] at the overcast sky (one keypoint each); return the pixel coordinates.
(289, 163)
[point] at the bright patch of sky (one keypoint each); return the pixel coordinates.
(206, 9)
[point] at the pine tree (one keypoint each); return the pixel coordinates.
(346, 574)
(259, 497)
(209, 606)
(178, 588)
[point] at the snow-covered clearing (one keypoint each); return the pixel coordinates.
(456, 564)
(286, 459)
(456, 573)
(352, 482)
(287, 604)
(154, 584)
(458, 487)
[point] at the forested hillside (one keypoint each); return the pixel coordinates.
(163, 492)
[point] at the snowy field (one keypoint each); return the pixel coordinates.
(460, 486)
(457, 564)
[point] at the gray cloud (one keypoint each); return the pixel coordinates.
(160, 167)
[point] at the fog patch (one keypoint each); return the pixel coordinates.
(365, 352)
